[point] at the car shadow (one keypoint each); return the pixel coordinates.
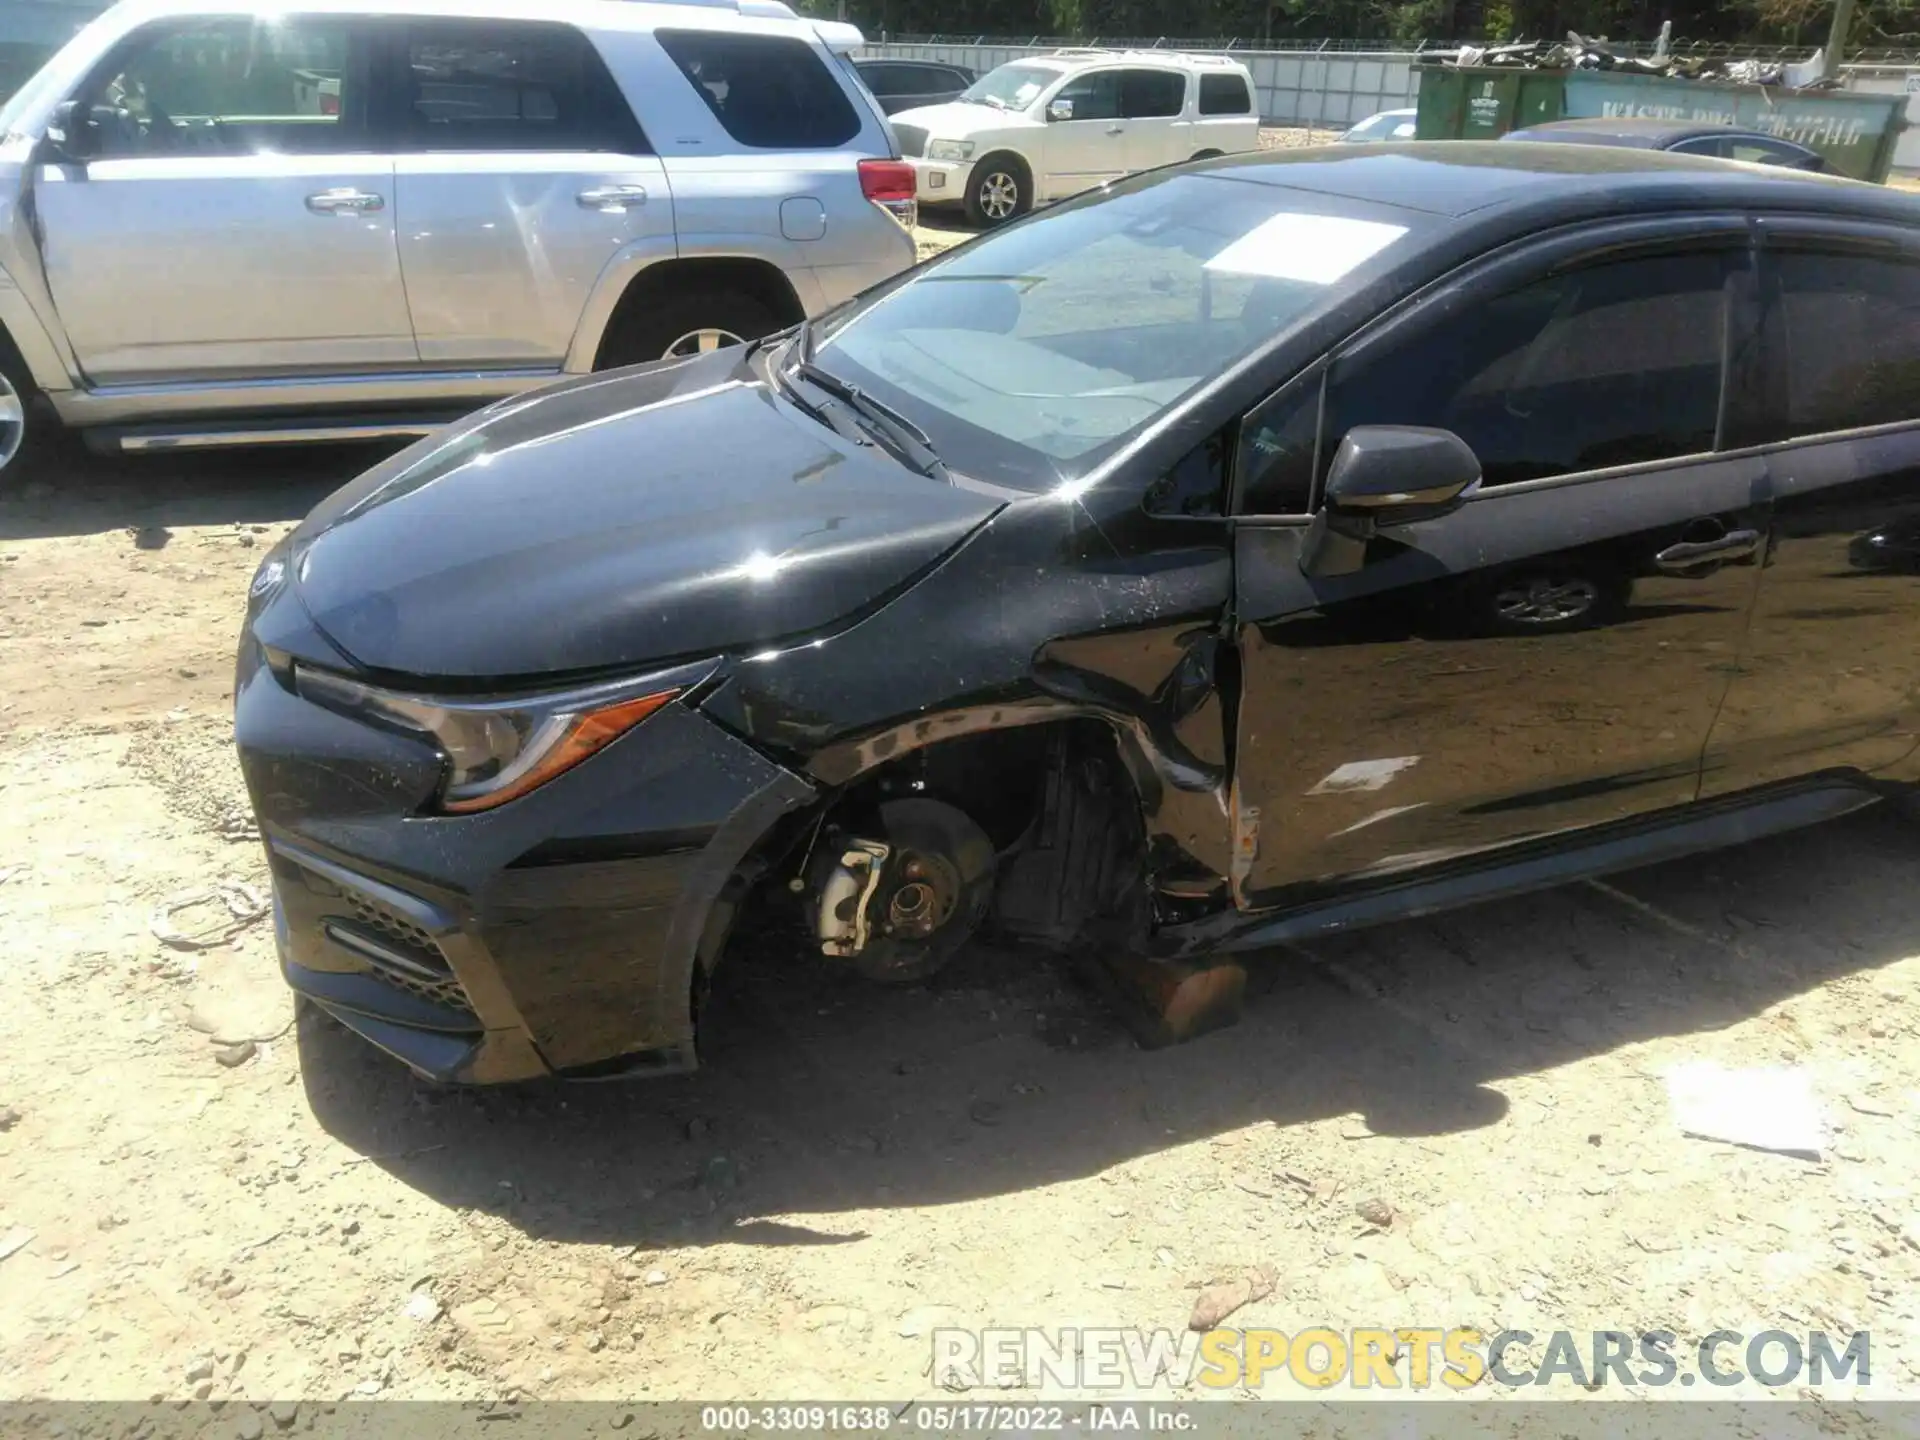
(824, 1096)
(88, 494)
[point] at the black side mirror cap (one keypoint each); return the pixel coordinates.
(1385, 475)
(73, 132)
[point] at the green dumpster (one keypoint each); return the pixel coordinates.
(1854, 131)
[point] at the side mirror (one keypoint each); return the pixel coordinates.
(1385, 475)
(1060, 110)
(73, 133)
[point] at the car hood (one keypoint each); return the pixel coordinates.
(673, 511)
(954, 121)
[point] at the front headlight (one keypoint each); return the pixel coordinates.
(497, 750)
(950, 150)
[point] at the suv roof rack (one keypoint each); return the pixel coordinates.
(1102, 52)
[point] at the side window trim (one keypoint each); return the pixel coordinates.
(1498, 273)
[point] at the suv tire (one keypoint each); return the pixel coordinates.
(689, 323)
(29, 433)
(1000, 189)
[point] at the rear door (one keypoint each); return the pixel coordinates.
(238, 218)
(1228, 120)
(1153, 102)
(1830, 676)
(520, 173)
(1552, 654)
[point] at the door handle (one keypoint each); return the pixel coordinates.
(1688, 555)
(612, 198)
(345, 201)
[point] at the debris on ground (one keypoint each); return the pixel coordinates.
(9, 1117)
(1222, 1297)
(234, 1056)
(1771, 1108)
(15, 1239)
(1376, 1213)
(1596, 52)
(242, 904)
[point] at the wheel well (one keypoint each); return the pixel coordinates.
(1012, 158)
(760, 279)
(1209, 154)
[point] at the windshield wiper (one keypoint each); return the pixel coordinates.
(906, 439)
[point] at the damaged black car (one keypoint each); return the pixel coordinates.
(1244, 551)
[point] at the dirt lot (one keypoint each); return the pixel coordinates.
(219, 1202)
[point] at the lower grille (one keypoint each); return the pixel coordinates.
(398, 951)
(912, 138)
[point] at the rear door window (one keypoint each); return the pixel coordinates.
(1225, 95)
(768, 92)
(1152, 94)
(507, 85)
(1845, 330)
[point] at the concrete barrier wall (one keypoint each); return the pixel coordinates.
(1295, 87)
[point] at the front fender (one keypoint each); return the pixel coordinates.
(44, 356)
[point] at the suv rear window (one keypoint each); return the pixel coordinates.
(1225, 95)
(768, 92)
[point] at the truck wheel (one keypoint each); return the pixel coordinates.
(696, 322)
(28, 430)
(1000, 189)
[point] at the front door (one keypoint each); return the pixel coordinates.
(1830, 676)
(235, 219)
(521, 172)
(1089, 146)
(1551, 654)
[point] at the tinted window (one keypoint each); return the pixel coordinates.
(1765, 152)
(235, 87)
(505, 86)
(767, 92)
(1849, 328)
(1225, 95)
(1094, 97)
(881, 78)
(1152, 94)
(1276, 452)
(1614, 364)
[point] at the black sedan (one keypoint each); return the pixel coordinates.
(1241, 552)
(907, 84)
(1682, 137)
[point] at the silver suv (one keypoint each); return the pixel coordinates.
(338, 220)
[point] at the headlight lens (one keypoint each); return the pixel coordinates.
(496, 750)
(950, 150)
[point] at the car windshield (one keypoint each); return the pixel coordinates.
(1031, 355)
(1380, 127)
(1011, 87)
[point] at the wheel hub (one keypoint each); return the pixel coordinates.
(924, 898)
(701, 342)
(1544, 601)
(999, 195)
(13, 422)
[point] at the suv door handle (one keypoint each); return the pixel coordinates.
(612, 198)
(1688, 555)
(345, 201)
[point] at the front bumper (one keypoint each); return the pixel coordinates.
(561, 934)
(940, 182)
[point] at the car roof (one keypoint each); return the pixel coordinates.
(1544, 184)
(635, 15)
(1094, 55)
(1650, 132)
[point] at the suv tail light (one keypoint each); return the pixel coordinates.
(887, 182)
(891, 184)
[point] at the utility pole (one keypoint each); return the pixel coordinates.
(1836, 39)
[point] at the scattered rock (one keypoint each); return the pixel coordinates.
(986, 1112)
(621, 1421)
(596, 1342)
(698, 1129)
(234, 1056)
(656, 1277)
(350, 1227)
(202, 1389)
(423, 1307)
(9, 1117)
(1221, 1298)
(199, 1368)
(284, 1413)
(1375, 1212)
(369, 1386)
(249, 1427)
